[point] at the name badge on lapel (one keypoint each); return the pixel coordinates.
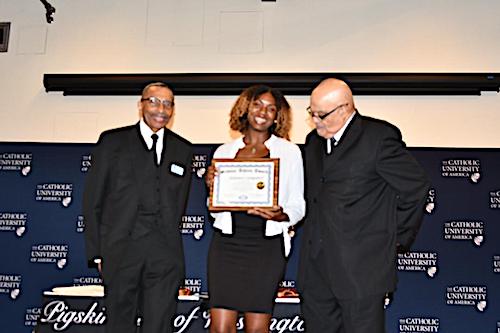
(177, 169)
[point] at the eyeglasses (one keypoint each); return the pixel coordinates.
(258, 105)
(155, 102)
(324, 115)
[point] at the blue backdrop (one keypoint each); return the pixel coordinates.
(450, 282)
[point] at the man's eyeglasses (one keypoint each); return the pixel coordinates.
(155, 102)
(321, 115)
(258, 105)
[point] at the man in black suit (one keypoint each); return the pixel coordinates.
(366, 196)
(134, 198)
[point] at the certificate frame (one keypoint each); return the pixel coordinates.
(270, 171)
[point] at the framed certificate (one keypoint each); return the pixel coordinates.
(243, 184)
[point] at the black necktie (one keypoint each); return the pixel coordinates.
(330, 144)
(153, 148)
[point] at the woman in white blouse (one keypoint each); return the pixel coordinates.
(248, 251)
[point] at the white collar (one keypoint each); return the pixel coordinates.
(146, 133)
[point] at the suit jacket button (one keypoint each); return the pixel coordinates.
(315, 200)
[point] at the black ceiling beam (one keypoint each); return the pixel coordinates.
(203, 84)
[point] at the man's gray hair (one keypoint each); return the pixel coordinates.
(156, 84)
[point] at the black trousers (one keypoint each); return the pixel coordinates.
(325, 313)
(145, 285)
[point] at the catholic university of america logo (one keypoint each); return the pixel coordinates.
(21, 162)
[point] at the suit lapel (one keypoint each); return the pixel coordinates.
(137, 148)
(315, 164)
(170, 153)
(348, 139)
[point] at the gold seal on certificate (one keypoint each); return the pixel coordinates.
(244, 183)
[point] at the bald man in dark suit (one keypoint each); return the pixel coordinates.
(365, 196)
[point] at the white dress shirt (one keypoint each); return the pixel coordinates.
(290, 191)
(146, 133)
